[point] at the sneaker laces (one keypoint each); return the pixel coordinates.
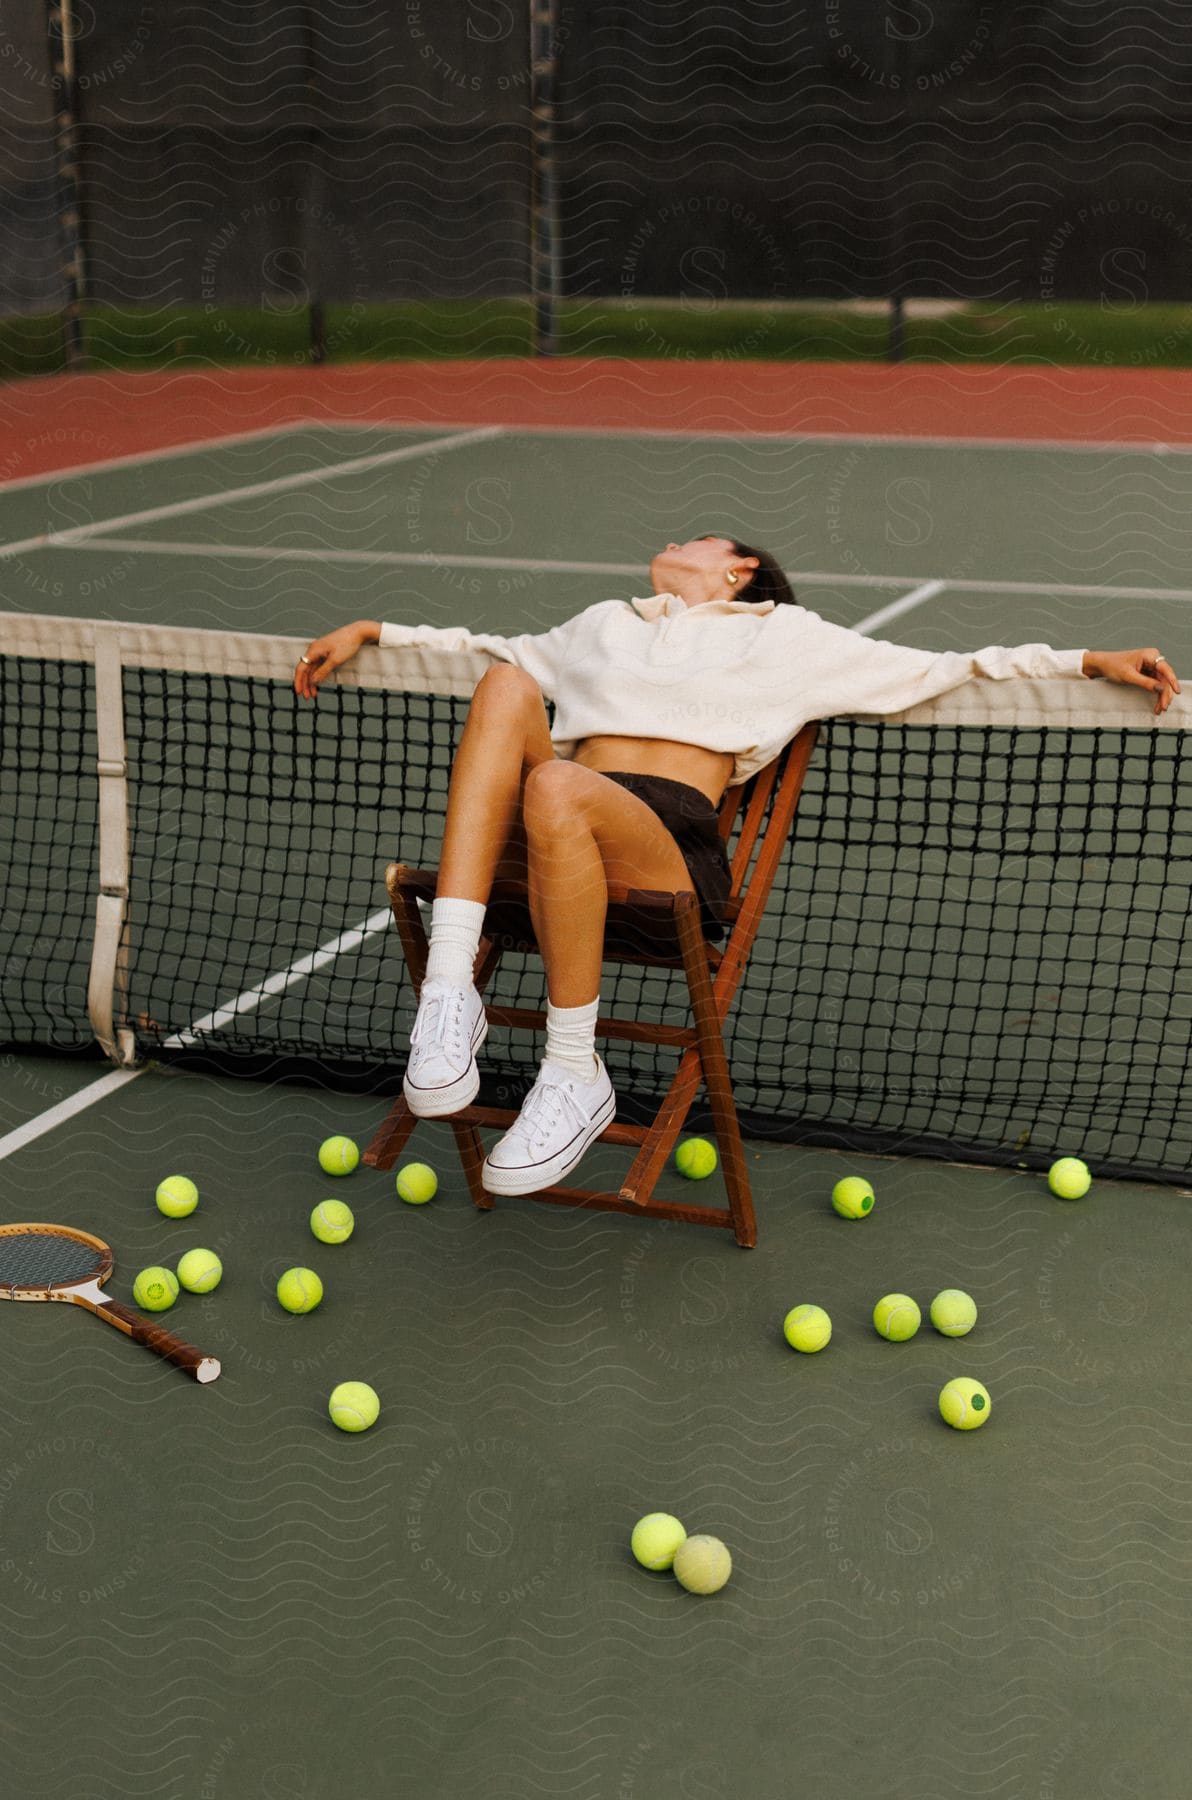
(440, 1016)
(541, 1109)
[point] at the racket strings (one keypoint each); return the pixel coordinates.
(41, 1258)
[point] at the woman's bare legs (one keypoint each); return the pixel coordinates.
(513, 806)
(584, 832)
(505, 735)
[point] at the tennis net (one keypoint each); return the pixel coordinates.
(976, 946)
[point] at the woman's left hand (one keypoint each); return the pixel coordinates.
(1136, 668)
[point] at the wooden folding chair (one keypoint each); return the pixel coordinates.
(659, 930)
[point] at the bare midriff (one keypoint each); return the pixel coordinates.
(707, 770)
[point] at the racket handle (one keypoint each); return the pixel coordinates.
(160, 1341)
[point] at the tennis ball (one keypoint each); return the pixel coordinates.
(199, 1271)
(852, 1197)
(417, 1183)
(338, 1156)
(964, 1404)
(154, 1290)
(896, 1317)
(354, 1406)
(655, 1540)
(300, 1290)
(332, 1222)
(953, 1313)
(702, 1564)
(696, 1158)
(1069, 1178)
(176, 1197)
(807, 1328)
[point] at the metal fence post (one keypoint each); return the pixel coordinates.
(544, 253)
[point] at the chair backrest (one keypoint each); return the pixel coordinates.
(755, 795)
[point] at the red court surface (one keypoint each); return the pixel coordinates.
(70, 420)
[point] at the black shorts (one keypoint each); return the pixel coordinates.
(694, 823)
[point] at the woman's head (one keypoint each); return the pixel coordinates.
(713, 567)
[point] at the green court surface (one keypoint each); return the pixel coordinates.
(208, 1593)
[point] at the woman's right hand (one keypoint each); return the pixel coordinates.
(331, 652)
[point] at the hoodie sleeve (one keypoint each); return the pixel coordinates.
(542, 655)
(843, 671)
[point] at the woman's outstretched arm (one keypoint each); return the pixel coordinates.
(843, 671)
(540, 654)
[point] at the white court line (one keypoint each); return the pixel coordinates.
(909, 441)
(307, 478)
(351, 939)
(247, 1002)
(102, 465)
(432, 559)
(417, 559)
(32, 1129)
(926, 591)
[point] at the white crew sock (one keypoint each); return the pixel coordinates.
(571, 1038)
(455, 927)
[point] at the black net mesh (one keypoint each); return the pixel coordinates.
(41, 1258)
(977, 943)
(48, 850)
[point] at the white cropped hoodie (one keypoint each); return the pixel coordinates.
(726, 675)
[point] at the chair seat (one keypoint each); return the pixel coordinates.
(639, 927)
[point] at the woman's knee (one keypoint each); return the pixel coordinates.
(506, 686)
(552, 786)
(507, 700)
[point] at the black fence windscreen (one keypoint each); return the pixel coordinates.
(30, 242)
(269, 152)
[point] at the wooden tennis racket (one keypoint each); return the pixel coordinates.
(55, 1262)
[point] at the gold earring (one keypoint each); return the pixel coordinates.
(731, 577)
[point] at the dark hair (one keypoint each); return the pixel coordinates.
(767, 581)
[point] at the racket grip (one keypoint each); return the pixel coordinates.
(162, 1342)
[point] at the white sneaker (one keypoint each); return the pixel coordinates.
(451, 1025)
(560, 1117)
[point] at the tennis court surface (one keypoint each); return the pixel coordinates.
(975, 959)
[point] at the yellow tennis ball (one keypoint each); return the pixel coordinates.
(953, 1313)
(964, 1404)
(155, 1289)
(852, 1197)
(896, 1317)
(199, 1271)
(338, 1156)
(354, 1406)
(696, 1158)
(176, 1196)
(655, 1540)
(332, 1222)
(702, 1564)
(1069, 1178)
(300, 1290)
(417, 1183)
(807, 1328)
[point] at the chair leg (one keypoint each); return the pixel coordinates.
(716, 1075)
(471, 1154)
(392, 1137)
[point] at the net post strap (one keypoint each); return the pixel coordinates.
(107, 983)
